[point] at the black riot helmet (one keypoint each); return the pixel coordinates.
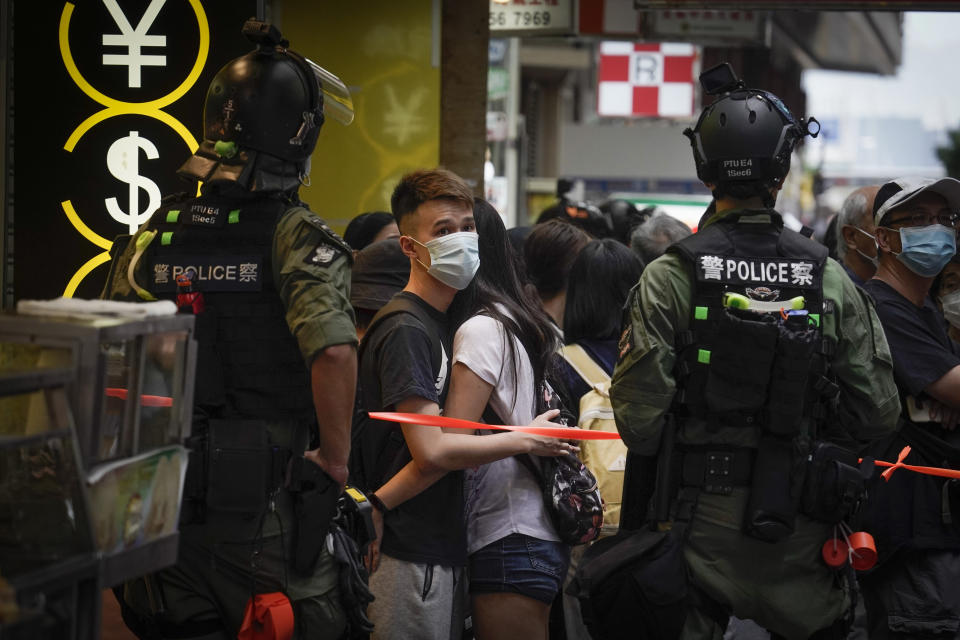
(269, 100)
(624, 217)
(746, 135)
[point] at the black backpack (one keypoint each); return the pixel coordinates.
(634, 585)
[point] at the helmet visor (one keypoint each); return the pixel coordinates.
(337, 103)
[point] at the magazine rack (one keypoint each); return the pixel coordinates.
(93, 414)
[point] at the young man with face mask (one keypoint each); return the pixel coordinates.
(411, 473)
(914, 517)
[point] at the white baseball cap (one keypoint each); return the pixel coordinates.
(902, 190)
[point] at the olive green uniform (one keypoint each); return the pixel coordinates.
(228, 557)
(785, 587)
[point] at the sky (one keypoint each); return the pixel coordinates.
(926, 84)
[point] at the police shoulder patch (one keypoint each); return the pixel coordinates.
(330, 247)
(323, 254)
(625, 344)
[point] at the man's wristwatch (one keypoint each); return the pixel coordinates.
(377, 503)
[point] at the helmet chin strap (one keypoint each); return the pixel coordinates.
(305, 173)
(770, 199)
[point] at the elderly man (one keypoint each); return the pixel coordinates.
(913, 517)
(856, 245)
(652, 238)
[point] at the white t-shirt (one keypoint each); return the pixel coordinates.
(502, 497)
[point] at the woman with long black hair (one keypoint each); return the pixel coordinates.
(600, 280)
(502, 349)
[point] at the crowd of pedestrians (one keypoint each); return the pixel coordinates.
(747, 373)
(474, 330)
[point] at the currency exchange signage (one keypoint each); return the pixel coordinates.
(108, 101)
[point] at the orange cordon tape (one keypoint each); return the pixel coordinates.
(146, 401)
(930, 471)
(565, 433)
(572, 433)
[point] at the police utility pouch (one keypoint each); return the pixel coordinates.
(633, 586)
(772, 508)
(740, 362)
(315, 498)
(791, 372)
(835, 484)
(239, 466)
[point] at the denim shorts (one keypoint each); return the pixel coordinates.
(520, 564)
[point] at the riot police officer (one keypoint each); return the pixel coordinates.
(747, 357)
(276, 371)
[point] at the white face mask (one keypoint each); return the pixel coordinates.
(951, 308)
(454, 258)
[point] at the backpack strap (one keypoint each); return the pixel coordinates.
(396, 306)
(581, 362)
(392, 450)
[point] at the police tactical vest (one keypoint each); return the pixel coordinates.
(248, 363)
(738, 367)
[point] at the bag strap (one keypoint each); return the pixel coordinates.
(526, 459)
(584, 365)
(490, 416)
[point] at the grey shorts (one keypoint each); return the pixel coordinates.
(416, 601)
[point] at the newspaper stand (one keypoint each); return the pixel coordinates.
(93, 415)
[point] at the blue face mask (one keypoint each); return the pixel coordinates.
(927, 250)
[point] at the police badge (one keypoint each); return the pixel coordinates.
(765, 294)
